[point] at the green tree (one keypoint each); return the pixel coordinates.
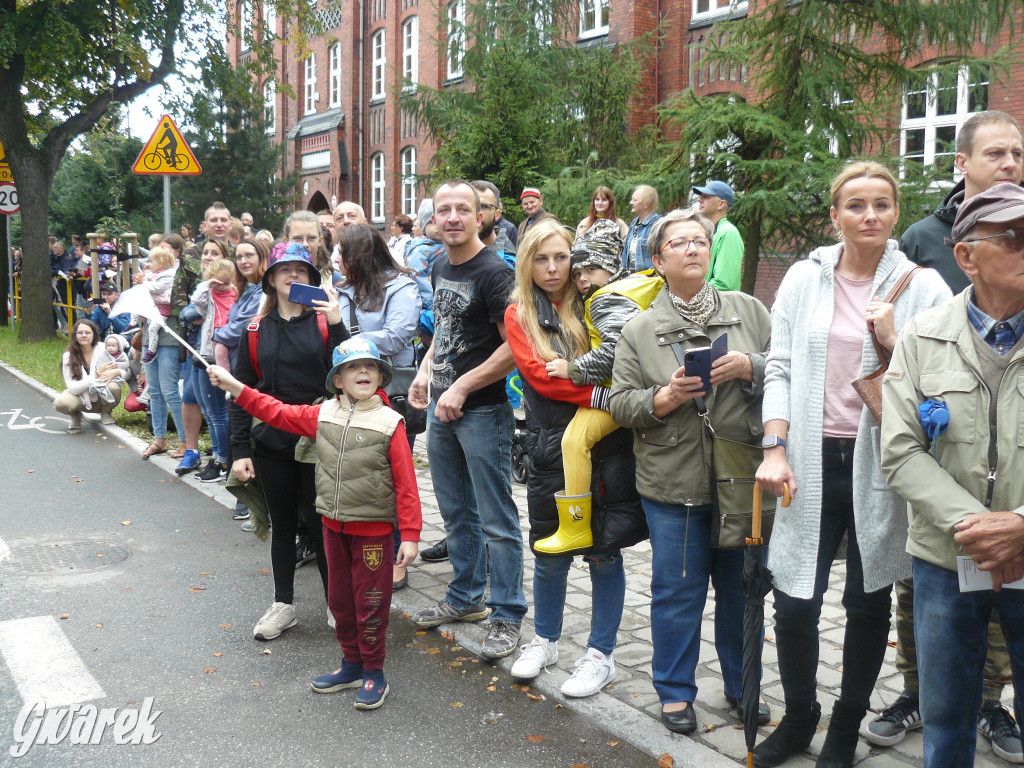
(825, 91)
(530, 101)
(96, 180)
(227, 133)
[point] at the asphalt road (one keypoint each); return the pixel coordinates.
(149, 587)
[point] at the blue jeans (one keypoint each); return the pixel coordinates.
(471, 469)
(189, 382)
(683, 560)
(608, 590)
(215, 411)
(951, 631)
(162, 375)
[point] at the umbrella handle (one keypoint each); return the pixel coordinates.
(755, 524)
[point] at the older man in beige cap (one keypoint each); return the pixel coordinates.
(952, 445)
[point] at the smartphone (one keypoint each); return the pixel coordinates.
(97, 302)
(300, 293)
(698, 360)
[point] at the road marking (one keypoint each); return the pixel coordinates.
(5, 551)
(44, 664)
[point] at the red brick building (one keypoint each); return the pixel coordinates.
(349, 140)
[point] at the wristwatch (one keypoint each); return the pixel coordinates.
(772, 441)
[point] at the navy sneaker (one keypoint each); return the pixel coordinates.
(189, 462)
(348, 675)
(374, 689)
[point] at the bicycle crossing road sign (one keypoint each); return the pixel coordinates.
(5, 169)
(167, 153)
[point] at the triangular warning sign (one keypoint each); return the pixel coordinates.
(3, 154)
(167, 153)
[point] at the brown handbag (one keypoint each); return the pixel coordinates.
(870, 387)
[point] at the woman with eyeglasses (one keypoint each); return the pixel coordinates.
(602, 206)
(302, 227)
(652, 394)
(822, 441)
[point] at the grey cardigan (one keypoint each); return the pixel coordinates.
(794, 391)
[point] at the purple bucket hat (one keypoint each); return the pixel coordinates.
(288, 251)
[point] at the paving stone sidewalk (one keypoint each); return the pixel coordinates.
(719, 728)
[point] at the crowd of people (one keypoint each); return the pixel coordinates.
(335, 345)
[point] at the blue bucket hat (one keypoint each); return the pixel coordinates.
(358, 349)
(283, 252)
(717, 189)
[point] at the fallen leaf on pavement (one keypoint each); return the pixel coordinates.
(612, 743)
(206, 573)
(193, 589)
(31, 471)
(209, 670)
(64, 616)
(666, 761)
(266, 652)
(536, 738)
(99, 554)
(709, 728)
(126, 522)
(255, 685)
(520, 687)
(580, 765)
(433, 651)
(99, 626)
(534, 697)
(218, 654)
(263, 571)
(457, 704)
(420, 633)
(225, 626)
(491, 688)
(454, 663)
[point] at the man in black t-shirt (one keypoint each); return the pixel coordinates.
(470, 423)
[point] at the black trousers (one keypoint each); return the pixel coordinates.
(867, 613)
(290, 492)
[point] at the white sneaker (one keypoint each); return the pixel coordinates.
(280, 617)
(534, 657)
(593, 672)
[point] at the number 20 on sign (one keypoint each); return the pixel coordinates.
(9, 203)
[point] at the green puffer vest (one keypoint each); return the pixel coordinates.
(353, 474)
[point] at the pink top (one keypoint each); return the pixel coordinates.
(843, 360)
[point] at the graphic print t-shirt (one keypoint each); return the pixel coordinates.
(469, 302)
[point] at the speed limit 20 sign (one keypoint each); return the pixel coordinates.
(9, 203)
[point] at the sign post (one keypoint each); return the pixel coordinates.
(167, 153)
(9, 205)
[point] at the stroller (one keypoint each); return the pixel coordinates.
(514, 385)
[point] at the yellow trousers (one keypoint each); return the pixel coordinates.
(586, 429)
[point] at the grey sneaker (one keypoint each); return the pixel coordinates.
(996, 724)
(892, 725)
(445, 611)
(280, 617)
(247, 525)
(501, 640)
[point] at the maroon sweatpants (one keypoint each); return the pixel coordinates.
(359, 581)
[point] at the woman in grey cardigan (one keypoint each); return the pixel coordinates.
(822, 441)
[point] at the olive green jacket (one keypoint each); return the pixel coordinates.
(673, 454)
(935, 359)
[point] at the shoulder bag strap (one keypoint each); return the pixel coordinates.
(897, 290)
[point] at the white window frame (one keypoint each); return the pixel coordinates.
(411, 50)
(269, 19)
(377, 187)
(310, 84)
(456, 12)
(408, 165)
(932, 122)
(245, 24)
(270, 107)
(378, 47)
(594, 18)
(716, 8)
(334, 77)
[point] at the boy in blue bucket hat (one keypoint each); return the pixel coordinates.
(365, 487)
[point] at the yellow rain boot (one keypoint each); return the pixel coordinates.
(573, 526)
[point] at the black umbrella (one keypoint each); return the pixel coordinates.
(757, 580)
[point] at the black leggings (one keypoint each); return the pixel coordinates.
(867, 613)
(289, 489)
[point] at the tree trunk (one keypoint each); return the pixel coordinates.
(751, 255)
(34, 183)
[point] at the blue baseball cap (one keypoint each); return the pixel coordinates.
(358, 349)
(718, 189)
(289, 251)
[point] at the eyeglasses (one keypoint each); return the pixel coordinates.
(1013, 239)
(488, 207)
(682, 245)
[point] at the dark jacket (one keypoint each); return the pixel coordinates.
(617, 517)
(923, 244)
(293, 364)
